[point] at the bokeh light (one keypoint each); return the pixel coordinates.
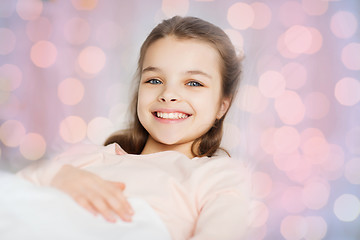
(347, 207)
(301, 173)
(33, 146)
(291, 13)
(272, 84)
(350, 56)
(298, 39)
(108, 34)
(43, 54)
(259, 214)
(294, 227)
(283, 48)
(291, 200)
(317, 105)
(353, 140)
(268, 62)
(73, 129)
(290, 108)
(315, 7)
(317, 228)
(286, 139)
(267, 140)
(343, 24)
(316, 41)
(175, 7)
(71, 91)
(99, 129)
(7, 41)
(237, 40)
(10, 77)
(11, 105)
(261, 185)
(84, 5)
(316, 149)
(92, 60)
(347, 91)
(295, 75)
(315, 194)
(333, 166)
(39, 29)
(241, 16)
(252, 101)
(287, 161)
(352, 170)
(262, 14)
(76, 30)
(29, 9)
(309, 133)
(12, 133)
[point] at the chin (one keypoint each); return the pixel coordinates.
(168, 141)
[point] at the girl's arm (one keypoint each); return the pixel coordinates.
(87, 189)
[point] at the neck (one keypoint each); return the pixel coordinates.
(153, 146)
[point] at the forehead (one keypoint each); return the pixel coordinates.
(186, 54)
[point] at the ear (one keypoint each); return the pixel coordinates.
(224, 106)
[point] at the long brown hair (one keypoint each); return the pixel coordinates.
(134, 138)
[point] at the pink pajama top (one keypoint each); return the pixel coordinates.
(200, 198)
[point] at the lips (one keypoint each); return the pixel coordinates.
(171, 115)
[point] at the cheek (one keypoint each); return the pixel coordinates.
(145, 98)
(140, 104)
(208, 105)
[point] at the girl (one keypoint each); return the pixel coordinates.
(187, 74)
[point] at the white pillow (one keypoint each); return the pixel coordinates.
(34, 212)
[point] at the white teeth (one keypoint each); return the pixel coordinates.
(174, 115)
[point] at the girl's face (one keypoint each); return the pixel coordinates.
(179, 93)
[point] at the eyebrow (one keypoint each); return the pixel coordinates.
(190, 72)
(151, 69)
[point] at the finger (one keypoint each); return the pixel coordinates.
(118, 203)
(109, 199)
(120, 208)
(120, 196)
(102, 207)
(86, 204)
(119, 185)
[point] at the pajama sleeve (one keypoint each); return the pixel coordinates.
(43, 171)
(224, 205)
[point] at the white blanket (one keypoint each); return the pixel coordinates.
(33, 212)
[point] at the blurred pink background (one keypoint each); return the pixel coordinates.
(66, 70)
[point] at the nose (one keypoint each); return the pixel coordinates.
(164, 99)
(169, 94)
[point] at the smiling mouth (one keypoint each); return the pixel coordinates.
(171, 115)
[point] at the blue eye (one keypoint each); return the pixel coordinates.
(154, 81)
(194, 84)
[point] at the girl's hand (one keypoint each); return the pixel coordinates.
(94, 193)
